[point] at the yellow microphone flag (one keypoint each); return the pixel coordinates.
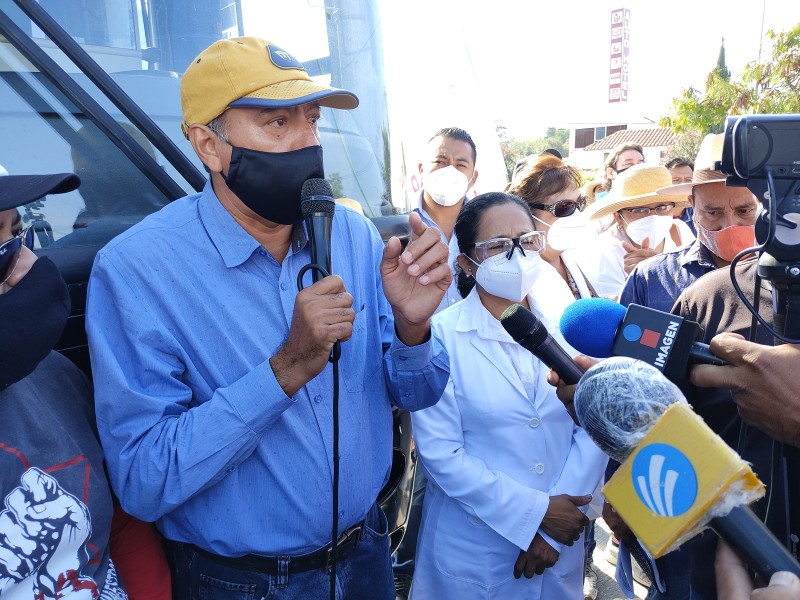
(681, 469)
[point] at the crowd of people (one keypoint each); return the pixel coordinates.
(212, 412)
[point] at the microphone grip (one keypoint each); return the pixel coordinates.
(700, 354)
(319, 234)
(757, 545)
(555, 357)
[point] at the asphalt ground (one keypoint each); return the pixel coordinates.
(607, 588)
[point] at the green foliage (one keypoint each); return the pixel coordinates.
(771, 86)
(721, 68)
(337, 185)
(686, 145)
(513, 150)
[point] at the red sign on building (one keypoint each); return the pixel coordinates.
(618, 56)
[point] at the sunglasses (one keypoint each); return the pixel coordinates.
(563, 208)
(9, 252)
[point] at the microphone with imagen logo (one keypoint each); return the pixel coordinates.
(676, 477)
(602, 328)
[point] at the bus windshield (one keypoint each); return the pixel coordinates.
(145, 45)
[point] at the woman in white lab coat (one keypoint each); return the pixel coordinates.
(508, 470)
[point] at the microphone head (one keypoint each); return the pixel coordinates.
(520, 323)
(316, 196)
(589, 325)
(619, 400)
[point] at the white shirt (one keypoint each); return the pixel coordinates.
(602, 259)
(495, 447)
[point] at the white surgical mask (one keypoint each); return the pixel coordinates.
(566, 233)
(446, 186)
(511, 278)
(654, 227)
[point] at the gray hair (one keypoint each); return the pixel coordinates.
(217, 126)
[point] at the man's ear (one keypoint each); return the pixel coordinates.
(619, 220)
(209, 148)
(691, 200)
(419, 167)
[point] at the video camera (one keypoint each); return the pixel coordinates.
(762, 153)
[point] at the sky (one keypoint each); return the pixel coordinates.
(532, 64)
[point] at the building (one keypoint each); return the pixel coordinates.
(590, 145)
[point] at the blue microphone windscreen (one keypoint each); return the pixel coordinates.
(590, 324)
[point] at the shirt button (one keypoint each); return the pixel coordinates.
(262, 252)
(534, 422)
(402, 358)
(539, 468)
(317, 398)
(283, 286)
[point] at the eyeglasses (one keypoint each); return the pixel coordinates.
(9, 252)
(562, 208)
(529, 242)
(643, 211)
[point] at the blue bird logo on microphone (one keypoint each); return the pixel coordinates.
(664, 480)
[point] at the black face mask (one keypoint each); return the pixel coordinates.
(33, 315)
(269, 183)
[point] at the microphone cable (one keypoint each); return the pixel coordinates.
(336, 353)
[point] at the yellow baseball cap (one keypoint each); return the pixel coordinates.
(250, 71)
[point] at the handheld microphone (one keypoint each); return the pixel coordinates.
(677, 476)
(316, 202)
(318, 206)
(601, 328)
(531, 334)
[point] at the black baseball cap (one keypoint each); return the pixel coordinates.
(18, 190)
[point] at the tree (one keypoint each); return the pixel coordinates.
(722, 69)
(513, 150)
(772, 86)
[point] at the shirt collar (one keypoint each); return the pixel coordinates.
(476, 318)
(698, 253)
(419, 208)
(230, 239)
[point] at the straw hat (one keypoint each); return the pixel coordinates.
(589, 190)
(707, 156)
(634, 187)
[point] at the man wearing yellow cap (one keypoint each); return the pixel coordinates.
(213, 385)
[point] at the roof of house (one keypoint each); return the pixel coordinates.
(647, 138)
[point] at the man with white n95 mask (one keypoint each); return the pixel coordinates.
(448, 173)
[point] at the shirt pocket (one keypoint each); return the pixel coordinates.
(357, 353)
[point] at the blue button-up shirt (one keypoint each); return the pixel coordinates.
(185, 310)
(658, 281)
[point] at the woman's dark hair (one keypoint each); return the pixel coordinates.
(468, 224)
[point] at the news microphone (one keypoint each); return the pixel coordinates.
(531, 334)
(601, 328)
(317, 205)
(677, 476)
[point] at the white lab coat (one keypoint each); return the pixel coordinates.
(494, 451)
(602, 258)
